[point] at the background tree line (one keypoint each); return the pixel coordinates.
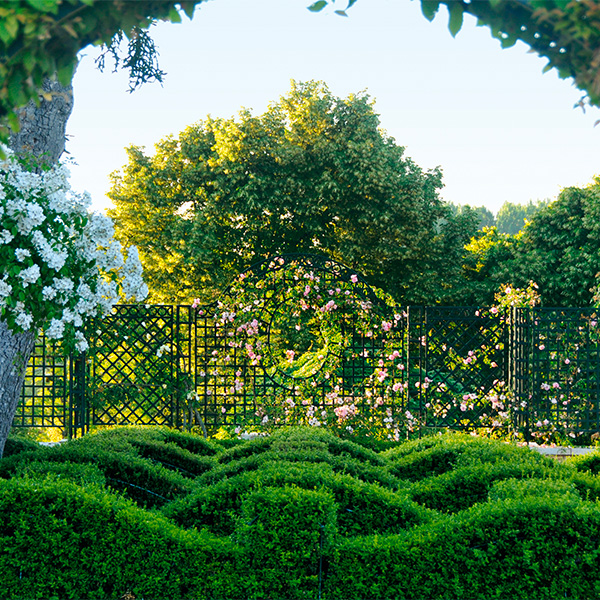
(510, 218)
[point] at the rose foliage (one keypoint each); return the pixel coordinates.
(59, 264)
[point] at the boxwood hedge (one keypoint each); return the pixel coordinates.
(295, 515)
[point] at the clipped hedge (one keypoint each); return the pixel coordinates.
(533, 547)
(141, 480)
(586, 462)
(286, 533)
(58, 540)
(300, 446)
(16, 444)
(362, 508)
(187, 441)
(439, 454)
(299, 514)
(80, 473)
(173, 457)
(463, 487)
(516, 489)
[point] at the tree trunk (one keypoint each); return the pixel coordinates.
(43, 128)
(15, 352)
(42, 140)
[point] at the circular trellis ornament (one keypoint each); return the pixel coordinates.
(304, 340)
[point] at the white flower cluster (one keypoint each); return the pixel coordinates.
(59, 264)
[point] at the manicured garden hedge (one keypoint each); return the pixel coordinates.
(152, 513)
(532, 547)
(59, 540)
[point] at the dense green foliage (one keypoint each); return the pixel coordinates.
(289, 524)
(40, 39)
(313, 174)
(481, 216)
(559, 249)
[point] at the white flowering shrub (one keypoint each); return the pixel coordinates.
(59, 264)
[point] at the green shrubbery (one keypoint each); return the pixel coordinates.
(59, 540)
(285, 516)
(15, 444)
(532, 547)
(362, 508)
(146, 482)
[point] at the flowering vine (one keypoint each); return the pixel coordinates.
(297, 343)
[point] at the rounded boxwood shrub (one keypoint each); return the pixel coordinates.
(440, 454)
(117, 436)
(250, 448)
(586, 462)
(463, 487)
(80, 473)
(318, 438)
(532, 547)
(308, 440)
(59, 540)
(418, 445)
(516, 489)
(172, 456)
(15, 444)
(141, 480)
(341, 464)
(362, 507)
(286, 534)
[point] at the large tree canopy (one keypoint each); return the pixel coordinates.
(39, 38)
(314, 173)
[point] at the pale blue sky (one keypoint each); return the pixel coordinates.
(499, 128)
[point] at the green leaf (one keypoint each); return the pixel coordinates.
(188, 9)
(5, 35)
(13, 121)
(509, 41)
(44, 5)
(28, 61)
(65, 74)
(174, 16)
(429, 8)
(456, 18)
(341, 13)
(318, 6)
(12, 26)
(494, 3)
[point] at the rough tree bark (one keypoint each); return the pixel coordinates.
(42, 139)
(43, 128)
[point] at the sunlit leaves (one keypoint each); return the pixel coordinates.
(312, 174)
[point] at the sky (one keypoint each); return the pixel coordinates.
(499, 129)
